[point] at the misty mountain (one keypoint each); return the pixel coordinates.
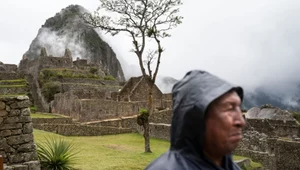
(252, 98)
(67, 29)
(165, 84)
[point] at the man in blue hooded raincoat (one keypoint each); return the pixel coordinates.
(206, 125)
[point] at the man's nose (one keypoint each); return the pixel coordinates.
(239, 120)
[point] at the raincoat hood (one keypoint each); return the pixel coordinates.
(191, 97)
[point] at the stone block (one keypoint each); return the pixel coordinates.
(21, 157)
(16, 132)
(5, 133)
(2, 105)
(10, 126)
(20, 104)
(11, 120)
(19, 167)
(25, 112)
(27, 128)
(23, 98)
(4, 146)
(33, 165)
(1, 120)
(7, 108)
(20, 139)
(15, 113)
(8, 167)
(28, 147)
(3, 113)
(25, 119)
(3, 154)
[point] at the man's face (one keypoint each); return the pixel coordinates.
(224, 123)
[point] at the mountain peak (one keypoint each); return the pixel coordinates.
(67, 30)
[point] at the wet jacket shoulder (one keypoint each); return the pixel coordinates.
(191, 97)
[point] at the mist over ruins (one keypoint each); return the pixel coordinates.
(70, 70)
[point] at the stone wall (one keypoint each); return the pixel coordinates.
(266, 159)
(113, 83)
(271, 151)
(136, 89)
(105, 109)
(51, 120)
(81, 130)
(94, 109)
(71, 86)
(128, 87)
(90, 94)
(45, 62)
(16, 138)
(123, 122)
(55, 62)
(10, 89)
(11, 76)
(141, 91)
(36, 94)
(287, 155)
(158, 130)
(26, 64)
(281, 128)
(8, 67)
(80, 63)
(164, 116)
(81, 80)
(167, 96)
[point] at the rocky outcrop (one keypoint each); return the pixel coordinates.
(67, 29)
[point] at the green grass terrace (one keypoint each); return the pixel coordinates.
(114, 152)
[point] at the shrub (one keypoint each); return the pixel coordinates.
(109, 78)
(296, 115)
(33, 109)
(142, 117)
(93, 70)
(56, 154)
(56, 74)
(50, 89)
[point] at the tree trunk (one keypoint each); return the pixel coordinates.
(147, 137)
(146, 124)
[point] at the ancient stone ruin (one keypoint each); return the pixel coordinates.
(271, 137)
(16, 139)
(101, 107)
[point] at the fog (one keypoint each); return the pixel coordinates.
(249, 43)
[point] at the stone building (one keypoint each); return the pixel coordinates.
(137, 89)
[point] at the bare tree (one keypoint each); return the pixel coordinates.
(142, 20)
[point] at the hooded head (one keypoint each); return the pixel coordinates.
(191, 98)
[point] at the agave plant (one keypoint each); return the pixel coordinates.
(56, 154)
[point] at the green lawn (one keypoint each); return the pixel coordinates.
(13, 86)
(117, 152)
(252, 164)
(19, 81)
(44, 115)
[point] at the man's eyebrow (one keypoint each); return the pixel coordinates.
(230, 102)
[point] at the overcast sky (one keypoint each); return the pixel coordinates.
(246, 42)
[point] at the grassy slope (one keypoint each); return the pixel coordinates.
(118, 152)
